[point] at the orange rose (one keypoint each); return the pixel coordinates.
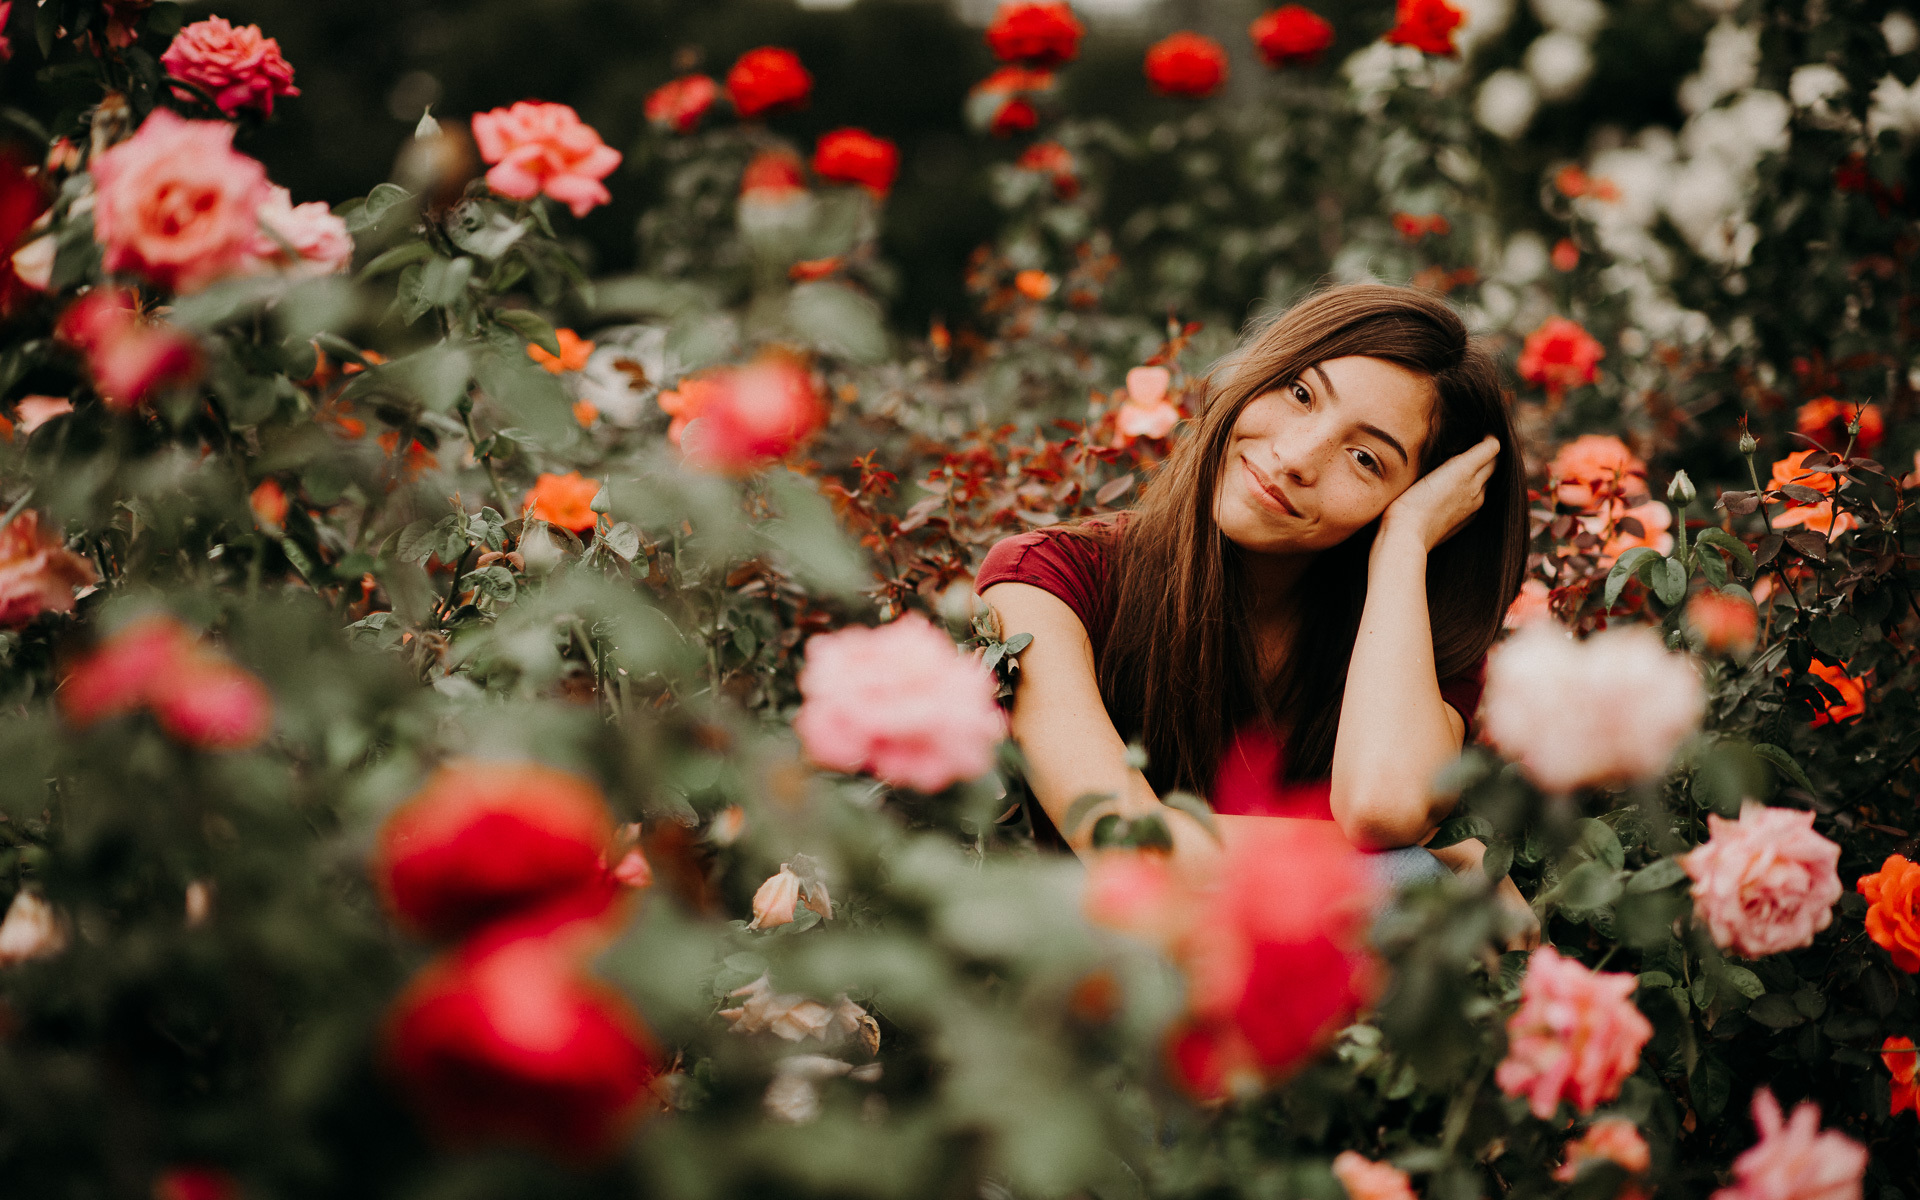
(574, 352)
(1819, 517)
(1853, 695)
(1825, 420)
(563, 500)
(1893, 910)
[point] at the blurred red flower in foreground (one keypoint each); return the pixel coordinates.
(128, 356)
(1794, 1159)
(1560, 355)
(485, 840)
(678, 104)
(197, 694)
(234, 64)
(856, 156)
(195, 1183)
(1727, 623)
(1893, 910)
(507, 1039)
(563, 500)
(766, 80)
(1270, 939)
(747, 416)
(1825, 420)
(1037, 34)
(1290, 34)
(1426, 25)
(1576, 1035)
(37, 572)
(1904, 1064)
(1186, 64)
(540, 148)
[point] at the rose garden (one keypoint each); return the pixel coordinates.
(476, 723)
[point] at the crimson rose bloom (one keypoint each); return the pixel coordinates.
(507, 1039)
(1291, 34)
(856, 156)
(767, 80)
(1186, 64)
(485, 840)
(678, 105)
(1037, 34)
(1426, 25)
(233, 63)
(1560, 355)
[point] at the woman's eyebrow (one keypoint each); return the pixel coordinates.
(1375, 430)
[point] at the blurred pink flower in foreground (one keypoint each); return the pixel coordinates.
(900, 702)
(37, 572)
(197, 694)
(1613, 708)
(1766, 882)
(1146, 413)
(234, 64)
(128, 355)
(176, 203)
(1368, 1180)
(1794, 1160)
(536, 147)
(1576, 1036)
(1614, 1140)
(739, 418)
(318, 238)
(1534, 602)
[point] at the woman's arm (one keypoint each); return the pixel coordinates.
(1395, 731)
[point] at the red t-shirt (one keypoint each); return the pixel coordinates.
(1077, 570)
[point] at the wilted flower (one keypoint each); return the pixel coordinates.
(1365, 1179)
(1726, 623)
(749, 416)
(31, 930)
(1037, 34)
(1614, 1140)
(766, 80)
(574, 353)
(775, 900)
(1893, 910)
(198, 695)
(1560, 355)
(128, 356)
(1613, 708)
(537, 148)
(37, 571)
(1186, 64)
(1853, 695)
(563, 500)
(900, 702)
(1815, 515)
(234, 64)
(1825, 420)
(1898, 1053)
(318, 240)
(1290, 34)
(1427, 25)
(1794, 1159)
(176, 203)
(1766, 882)
(679, 104)
(856, 156)
(796, 1018)
(1576, 1035)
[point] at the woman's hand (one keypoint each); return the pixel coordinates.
(1521, 919)
(1436, 506)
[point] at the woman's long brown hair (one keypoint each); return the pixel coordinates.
(1179, 671)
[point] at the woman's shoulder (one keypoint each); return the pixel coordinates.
(1073, 562)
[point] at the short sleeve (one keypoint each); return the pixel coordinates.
(1070, 566)
(1462, 691)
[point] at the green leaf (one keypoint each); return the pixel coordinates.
(370, 211)
(1455, 830)
(1836, 635)
(1657, 876)
(1731, 546)
(1588, 886)
(1743, 981)
(1670, 581)
(1081, 806)
(1600, 843)
(1149, 833)
(1108, 831)
(835, 319)
(1499, 859)
(1018, 642)
(531, 326)
(1776, 1012)
(1784, 762)
(394, 259)
(1623, 569)
(1196, 808)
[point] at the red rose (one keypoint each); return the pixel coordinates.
(776, 171)
(508, 1040)
(1426, 25)
(749, 416)
(486, 840)
(1038, 34)
(767, 80)
(856, 156)
(678, 105)
(198, 695)
(1051, 158)
(1825, 420)
(1186, 64)
(1001, 102)
(1015, 116)
(128, 356)
(1414, 227)
(1291, 34)
(1560, 355)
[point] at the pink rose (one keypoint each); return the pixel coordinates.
(176, 203)
(1613, 708)
(31, 412)
(128, 357)
(1576, 1036)
(234, 64)
(37, 572)
(1766, 882)
(197, 694)
(320, 239)
(900, 702)
(1368, 1180)
(1794, 1160)
(536, 147)
(1614, 1140)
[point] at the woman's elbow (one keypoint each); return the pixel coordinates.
(1383, 822)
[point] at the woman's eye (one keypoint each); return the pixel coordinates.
(1301, 393)
(1367, 461)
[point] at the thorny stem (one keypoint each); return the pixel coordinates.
(453, 586)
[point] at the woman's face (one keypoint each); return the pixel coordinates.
(1312, 462)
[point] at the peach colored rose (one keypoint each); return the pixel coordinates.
(1766, 882)
(901, 702)
(176, 203)
(536, 148)
(793, 1018)
(1575, 714)
(1615, 1140)
(1576, 1036)
(1146, 412)
(32, 929)
(37, 572)
(1819, 516)
(1726, 623)
(1368, 1180)
(1653, 518)
(1893, 910)
(234, 64)
(774, 902)
(319, 241)
(1594, 469)
(1534, 603)
(1794, 1159)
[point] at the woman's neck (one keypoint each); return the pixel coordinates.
(1272, 583)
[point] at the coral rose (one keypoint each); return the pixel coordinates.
(856, 156)
(234, 64)
(1825, 420)
(506, 1040)
(749, 416)
(1413, 226)
(1002, 103)
(128, 356)
(1595, 470)
(1613, 708)
(1893, 910)
(1615, 1140)
(37, 572)
(303, 239)
(900, 702)
(1815, 515)
(1035, 34)
(574, 353)
(563, 500)
(538, 148)
(1794, 1159)
(679, 104)
(1766, 882)
(1576, 1035)
(1853, 695)
(1426, 25)
(1291, 34)
(1899, 1054)
(767, 80)
(176, 204)
(31, 412)
(1186, 64)
(268, 503)
(1559, 355)
(198, 695)
(1367, 1180)
(1726, 623)
(483, 840)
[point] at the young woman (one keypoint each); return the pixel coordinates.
(1326, 557)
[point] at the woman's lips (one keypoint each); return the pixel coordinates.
(1273, 495)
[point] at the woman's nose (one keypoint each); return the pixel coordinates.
(1300, 453)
